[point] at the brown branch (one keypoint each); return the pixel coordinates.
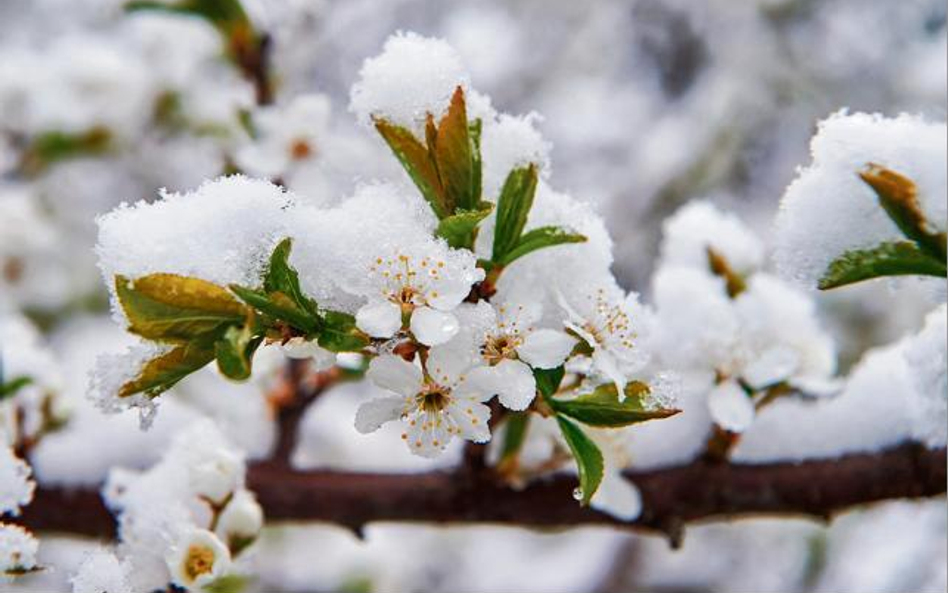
(672, 496)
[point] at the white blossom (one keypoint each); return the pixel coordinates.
(613, 324)
(505, 339)
(422, 283)
(197, 558)
(445, 401)
(241, 520)
(286, 135)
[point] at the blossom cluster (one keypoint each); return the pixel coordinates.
(188, 520)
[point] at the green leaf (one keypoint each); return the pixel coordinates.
(588, 458)
(414, 157)
(602, 407)
(175, 309)
(515, 431)
(230, 583)
(547, 236)
(898, 196)
(234, 352)
(9, 388)
(48, 148)
(282, 277)
(458, 229)
(164, 371)
(279, 307)
(474, 133)
(888, 259)
(548, 380)
(513, 206)
(224, 15)
(340, 334)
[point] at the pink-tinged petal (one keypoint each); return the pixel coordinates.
(546, 348)
(379, 319)
(374, 413)
(731, 408)
(511, 380)
(432, 327)
(395, 374)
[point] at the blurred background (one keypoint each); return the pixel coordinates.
(647, 104)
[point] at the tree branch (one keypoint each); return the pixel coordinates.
(672, 497)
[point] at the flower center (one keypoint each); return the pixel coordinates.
(433, 398)
(200, 560)
(497, 348)
(611, 322)
(300, 150)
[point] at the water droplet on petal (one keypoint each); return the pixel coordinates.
(578, 493)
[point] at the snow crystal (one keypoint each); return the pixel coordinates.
(412, 77)
(332, 246)
(112, 371)
(927, 361)
(223, 232)
(829, 210)
(508, 143)
(101, 572)
(700, 225)
(16, 487)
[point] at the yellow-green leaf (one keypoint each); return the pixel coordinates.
(602, 407)
(176, 309)
(234, 352)
(414, 157)
(162, 372)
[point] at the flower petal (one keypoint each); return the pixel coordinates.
(511, 380)
(380, 319)
(432, 327)
(299, 348)
(606, 364)
(448, 363)
(428, 434)
(395, 374)
(730, 407)
(772, 366)
(618, 497)
(374, 413)
(546, 348)
(471, 419)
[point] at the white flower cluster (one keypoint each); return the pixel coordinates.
(187, 520)
(741, 340)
